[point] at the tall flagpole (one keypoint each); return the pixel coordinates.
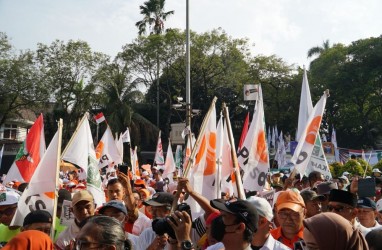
(188, 85)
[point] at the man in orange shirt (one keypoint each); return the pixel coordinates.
(290, 213)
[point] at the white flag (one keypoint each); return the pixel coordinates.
(178, 156)
(119, 143)
(40, 193)
(255, 172)
(126, 136)
(159, 158)
(306, 106)
(303, 151)
(107, 151)
(169, 166)
(81, 153)
(280, 156)
(1, 155)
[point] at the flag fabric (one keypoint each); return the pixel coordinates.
(134, 163)
(169, 165)
(126, 136)
(334, 141)
(245, 130)
(159, 158)
(227, 174)
(280, 156)
(306, 106)
(178, 156)
(1, 155)
(99, 118)
(29, 155)
(202, 175)
(303, 151)
(255, 171)
(40, 193)
(318, 161)
(81, 153)
(119, 145)
(187, 151)
(107, 151)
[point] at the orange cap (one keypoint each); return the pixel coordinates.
(291, 200)
(139, 182)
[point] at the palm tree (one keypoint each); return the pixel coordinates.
(153, 16)
(319, 50)
(117, 98)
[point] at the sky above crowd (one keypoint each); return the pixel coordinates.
(286, 28)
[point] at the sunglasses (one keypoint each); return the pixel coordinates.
(338, 209)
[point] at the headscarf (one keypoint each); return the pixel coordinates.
(332, 231)
(30, 240)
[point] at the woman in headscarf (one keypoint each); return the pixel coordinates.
(30, 240)
(329, 231)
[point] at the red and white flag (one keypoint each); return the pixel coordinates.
(244, 131)
(255, 171)
(99, 118)
(29, 155)
(81, 153)
(303, 151)
(40, 193)
(107, 151)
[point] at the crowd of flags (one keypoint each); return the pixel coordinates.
(208, 158)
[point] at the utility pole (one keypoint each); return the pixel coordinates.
(188, 87)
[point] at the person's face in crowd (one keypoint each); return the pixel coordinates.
(6, 214)
(88, 238)
(298, 185)
(275, 178)
(44, 227)
(324, 204)
(342, 209)
(366, 216)
(232, 227)
(115, 213)
(290, 221)
(137, 199)
(144, 196)
(159, 211)
(115, 191)
(312, 208)
(309, 240)
(83, 209)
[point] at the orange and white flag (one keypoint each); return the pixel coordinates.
(169, 165)
(303, 151)
(107, 151)
(257, 167)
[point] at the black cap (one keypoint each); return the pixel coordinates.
(342, 196)
(37, 216)
(115, 204)
(310, 195)
(243, 209)
(64, 194)
(160, 199)
(366, 202)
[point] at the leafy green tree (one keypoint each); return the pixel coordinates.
(154, 16)
(68, 70)
(352, 74)
(20, 86)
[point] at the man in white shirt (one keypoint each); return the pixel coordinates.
(262, 239)
(82, 207)
(367, 213)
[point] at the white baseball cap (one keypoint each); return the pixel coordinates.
(345, 173)
(379, 205)
(376, 170)
(9, 197)
(262, 206)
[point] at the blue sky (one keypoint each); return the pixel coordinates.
(287, 28)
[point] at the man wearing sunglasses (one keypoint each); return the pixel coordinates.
(344, 203)
(8, 207)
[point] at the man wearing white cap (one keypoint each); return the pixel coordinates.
(262, 239)
(8, 207)
(376, 172)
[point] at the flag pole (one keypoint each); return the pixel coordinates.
(239, 183)
(193, 152)
(54, 216)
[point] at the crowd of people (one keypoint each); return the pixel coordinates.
(148, 212)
